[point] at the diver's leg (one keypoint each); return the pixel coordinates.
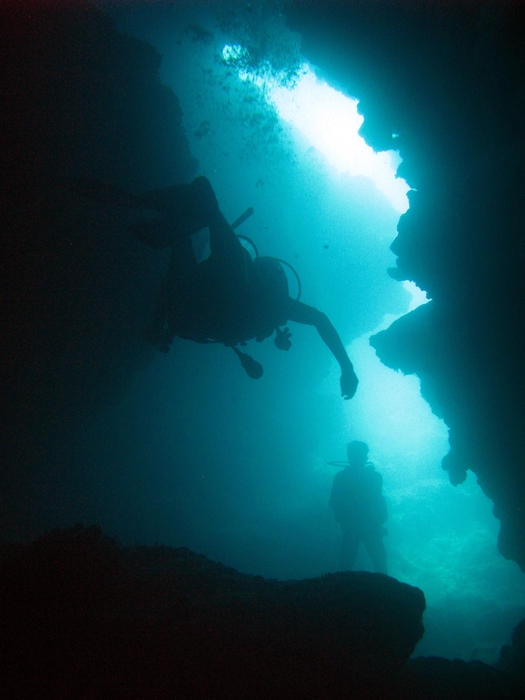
(194, 200)
(172, 295)
(186, 209)
(190, 206)
(349, 547)
(103, 193)
(192, 203)
(375, 547)
(157, 234)
(224, 245)
(226, 249)
(161, 233)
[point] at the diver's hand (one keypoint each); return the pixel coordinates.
(282, 338)
(348, 382)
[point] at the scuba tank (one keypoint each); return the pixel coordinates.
(273, 284)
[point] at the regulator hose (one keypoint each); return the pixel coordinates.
(292, 268)
(240, 220)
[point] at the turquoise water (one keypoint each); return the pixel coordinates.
(335, 226)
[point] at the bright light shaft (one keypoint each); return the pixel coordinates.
(418, 296)
(330, 122)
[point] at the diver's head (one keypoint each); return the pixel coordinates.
(357, 453)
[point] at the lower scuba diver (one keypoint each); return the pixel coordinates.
(227, 298)
(360, 508)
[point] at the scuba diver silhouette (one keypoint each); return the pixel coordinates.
(229, 297)
(359, 507)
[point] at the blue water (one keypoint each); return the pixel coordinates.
(240, 471)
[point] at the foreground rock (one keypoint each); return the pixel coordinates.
(434, 678)
(84, 617)
(87, 618)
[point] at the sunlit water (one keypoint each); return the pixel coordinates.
(283, 154)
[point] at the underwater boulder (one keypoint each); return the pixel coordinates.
(87, 617)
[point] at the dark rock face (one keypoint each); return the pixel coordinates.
(512, 658)
(80, 100)
(435, 678)
(445, 79)
(83, 100)
(84, 617)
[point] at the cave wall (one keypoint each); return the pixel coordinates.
(80, 100)
(441, 82)
(83, 100)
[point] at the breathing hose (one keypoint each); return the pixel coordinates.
(252, 368)
(240, 220)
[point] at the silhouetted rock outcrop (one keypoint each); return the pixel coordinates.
(433, 678)
(444, 86)
(84, 617)
(80, 100)
(512, 657)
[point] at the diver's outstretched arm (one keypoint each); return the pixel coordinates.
(301, 313)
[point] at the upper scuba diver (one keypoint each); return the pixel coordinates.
(228, 298)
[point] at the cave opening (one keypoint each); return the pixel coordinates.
(335, 226)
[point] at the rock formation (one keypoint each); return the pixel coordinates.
(88, 618)
(443, 85)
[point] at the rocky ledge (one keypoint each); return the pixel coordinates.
(88, 618)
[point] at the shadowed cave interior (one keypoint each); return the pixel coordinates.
(183, 449)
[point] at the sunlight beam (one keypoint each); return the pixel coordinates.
(330, 122)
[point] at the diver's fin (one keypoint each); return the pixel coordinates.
(252, 368)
